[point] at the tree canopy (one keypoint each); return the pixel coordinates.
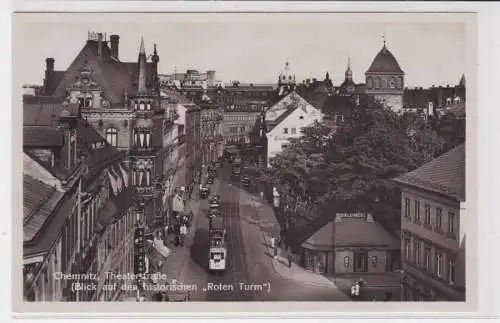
(350, 168)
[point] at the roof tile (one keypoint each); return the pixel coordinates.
(443, 175)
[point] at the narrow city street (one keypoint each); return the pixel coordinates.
(250, 274)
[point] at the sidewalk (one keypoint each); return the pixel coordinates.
(264, 218)
(376, 285)
(174, 265)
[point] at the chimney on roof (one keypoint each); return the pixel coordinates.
(99, 45)
(49, 63)
(49, 71)
(114, 40)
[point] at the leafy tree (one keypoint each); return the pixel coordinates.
(351, 170)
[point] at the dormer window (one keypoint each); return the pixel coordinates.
(148, 106)
(141, 106)
(448, 101)
(135, 105)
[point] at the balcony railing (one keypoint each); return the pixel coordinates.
(144, 151)
(144, 113)
(144, 189)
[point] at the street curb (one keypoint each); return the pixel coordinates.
(273, 261)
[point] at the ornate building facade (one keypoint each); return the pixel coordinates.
(385, 80)
(212, 140)
(121, 101)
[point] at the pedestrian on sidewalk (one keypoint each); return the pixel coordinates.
(183, 233)
(289, 258)
(273, 245)
(388, 296)
(374, 299)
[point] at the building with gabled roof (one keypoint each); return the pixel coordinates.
(286, 119)
(432, 223)
(121, 101)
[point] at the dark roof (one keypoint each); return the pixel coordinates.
(444, 175)
(41, 136)
(52, 228)
(357, 232)
(115, 76)
(385, 62)
(53, 81)
(351, 232)
(323, 238)
(39, 201)
(40, 113)
(338, 104)
(317, 99)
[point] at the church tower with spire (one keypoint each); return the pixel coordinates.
(348, 87)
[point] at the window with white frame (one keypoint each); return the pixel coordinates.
(294, 131)
(417, 252)
(285, 130)
(427, 214)
(451, 222)
(417, 211)
(407, 207)
(407, 247)
(451, 271)
(112, 136)
(439, 263)
(347, 261)
(427, 257)
(439, 218)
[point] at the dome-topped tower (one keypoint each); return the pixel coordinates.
(348, 87)
(286, 76)
(286, 80)
(385, 79)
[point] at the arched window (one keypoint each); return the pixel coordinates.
(369, 83)
(448, 101)
(112, 136)
(88, 102)
(377, 83)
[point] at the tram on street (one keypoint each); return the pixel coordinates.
(217, 244)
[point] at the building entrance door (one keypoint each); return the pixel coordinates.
(361, 261)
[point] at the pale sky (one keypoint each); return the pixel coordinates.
(429, 53)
